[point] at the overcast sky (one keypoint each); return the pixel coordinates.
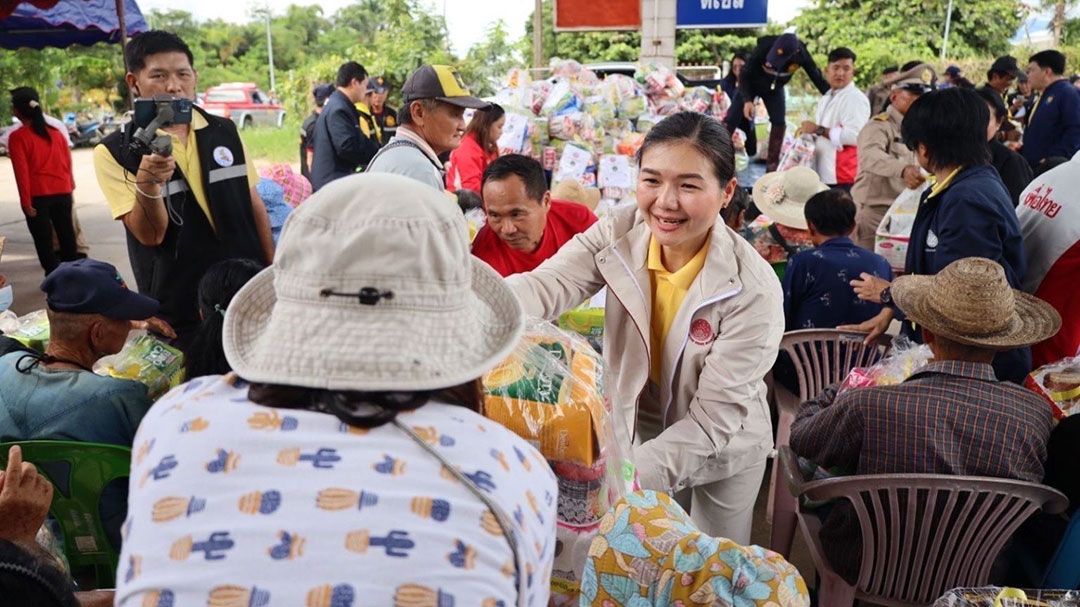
(466, 19)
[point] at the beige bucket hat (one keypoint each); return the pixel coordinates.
(571, 190)
(373, 288)
(970, 302)
(782, 195)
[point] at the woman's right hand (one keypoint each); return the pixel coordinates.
(748, 110)
(874, 328)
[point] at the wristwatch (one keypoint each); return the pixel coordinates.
(886, 296)
(821, 131)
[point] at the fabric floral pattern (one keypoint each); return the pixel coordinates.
(649, 554)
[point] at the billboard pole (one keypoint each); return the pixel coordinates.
(538, 34)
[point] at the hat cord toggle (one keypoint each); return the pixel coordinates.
(368, 296)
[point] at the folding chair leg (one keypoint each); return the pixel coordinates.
(783, 532)
(834, 591)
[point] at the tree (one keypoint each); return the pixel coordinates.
(1060, 19)
(487, 62)
(888, 33)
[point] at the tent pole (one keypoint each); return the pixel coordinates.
(121, 18)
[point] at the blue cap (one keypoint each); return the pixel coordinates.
(88, 286)
(953, 70)
(784, 51)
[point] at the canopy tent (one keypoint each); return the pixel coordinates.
(66, 23)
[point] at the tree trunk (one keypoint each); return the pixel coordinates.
(1059, 21)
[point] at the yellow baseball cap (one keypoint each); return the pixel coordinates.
(440, 82)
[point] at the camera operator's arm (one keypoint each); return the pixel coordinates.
(262, 226)
(137, 200)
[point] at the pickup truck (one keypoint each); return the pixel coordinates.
(244, 104)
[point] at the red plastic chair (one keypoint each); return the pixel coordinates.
(913, 550)
(821, 357)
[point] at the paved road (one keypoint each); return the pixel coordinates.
(104, 236)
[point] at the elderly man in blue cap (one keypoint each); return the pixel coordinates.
(767, 72)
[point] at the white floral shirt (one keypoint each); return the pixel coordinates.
(234, 504)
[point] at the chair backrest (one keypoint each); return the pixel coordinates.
(825, 356)
(79, 472)
(923, 534)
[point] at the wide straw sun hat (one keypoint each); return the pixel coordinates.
(970, 302)
(372, 289)
(782, 196)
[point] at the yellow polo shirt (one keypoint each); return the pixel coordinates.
(118, 185)
(668, 292)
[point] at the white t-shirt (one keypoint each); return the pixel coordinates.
(843, 113)
(237, 504)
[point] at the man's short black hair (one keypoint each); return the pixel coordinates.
(831, 212)
(951, 123)
(528, 169)
(348, 72)
(843, 52)
(1050, 58)
(994, 100)
(153, 42)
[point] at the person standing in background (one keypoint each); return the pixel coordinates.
(841, 114)
(42, 163)
(340, 147)
(1054, 122)
(385, 116)
(307, 129)
(479, 148)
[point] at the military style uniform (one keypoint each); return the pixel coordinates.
(883, 156)
(882, 160)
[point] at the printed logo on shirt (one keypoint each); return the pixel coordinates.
(701, 332)
(931, 240)
(223, 156)
(1041, 202)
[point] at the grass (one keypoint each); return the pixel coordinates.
(270, 145)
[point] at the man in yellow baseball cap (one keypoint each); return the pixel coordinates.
(431, 124)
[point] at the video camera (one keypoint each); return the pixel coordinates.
(155, 113)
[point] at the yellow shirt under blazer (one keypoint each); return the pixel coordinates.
(722, 341)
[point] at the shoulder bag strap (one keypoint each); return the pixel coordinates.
(500, 514)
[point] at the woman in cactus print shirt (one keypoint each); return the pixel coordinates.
(235, 504)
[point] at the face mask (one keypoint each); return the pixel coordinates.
(7, 297)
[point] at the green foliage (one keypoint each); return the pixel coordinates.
(894, 32)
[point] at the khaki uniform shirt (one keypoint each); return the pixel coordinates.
(882, 158)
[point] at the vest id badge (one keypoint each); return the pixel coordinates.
(223, 156)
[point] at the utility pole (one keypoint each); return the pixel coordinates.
(270, 49)
(538, 34)
(948, 24)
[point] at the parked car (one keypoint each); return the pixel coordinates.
(244, 104)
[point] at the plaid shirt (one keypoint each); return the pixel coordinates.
(952, 417)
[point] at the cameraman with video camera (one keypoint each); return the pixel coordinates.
(180, 181)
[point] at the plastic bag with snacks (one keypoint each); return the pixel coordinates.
(798, 151)
(33, 330)
(1059, 384)
(904, 360)
(147, 360)
(992, 596)
(551, 392)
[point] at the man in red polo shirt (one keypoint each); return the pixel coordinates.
(524, 225)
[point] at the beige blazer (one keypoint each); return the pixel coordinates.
(722, 343)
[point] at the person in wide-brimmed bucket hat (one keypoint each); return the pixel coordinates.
(351, 429)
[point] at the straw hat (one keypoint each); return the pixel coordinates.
(781, 196)
(372, 289)
(970, 302)
(571, 190)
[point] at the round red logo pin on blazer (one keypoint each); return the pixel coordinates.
(702, 332)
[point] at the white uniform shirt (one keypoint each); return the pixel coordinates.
(843, 113)
(234, 504)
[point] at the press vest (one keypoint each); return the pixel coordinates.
(170, 272)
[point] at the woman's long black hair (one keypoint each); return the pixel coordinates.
(27, 105)
(205, 355)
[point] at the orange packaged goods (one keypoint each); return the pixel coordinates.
(548, 393)
(1059, 384)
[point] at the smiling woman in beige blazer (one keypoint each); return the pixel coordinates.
(693, 322)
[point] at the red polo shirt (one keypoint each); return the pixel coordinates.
(564, 220)
(42, 166)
